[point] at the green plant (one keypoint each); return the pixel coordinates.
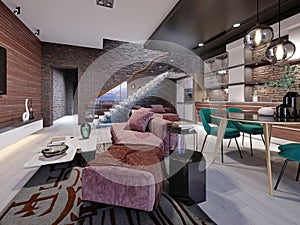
(287, 80)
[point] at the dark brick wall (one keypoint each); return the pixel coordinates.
(59, 94)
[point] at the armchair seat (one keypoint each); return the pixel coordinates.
(207, 121)
(244, 127)
(252, 128)
(291, 152)
(229, 133)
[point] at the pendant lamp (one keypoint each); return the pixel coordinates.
(281, 49)
(260, 35)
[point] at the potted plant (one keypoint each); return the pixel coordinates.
(291, 101)
(287, 80)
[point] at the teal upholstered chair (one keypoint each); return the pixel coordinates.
(291, 152)
(248, 128)
(207, 120)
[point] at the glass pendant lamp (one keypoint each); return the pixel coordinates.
(258, 36)
(281, 49)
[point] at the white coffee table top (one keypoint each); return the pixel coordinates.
(74, 143)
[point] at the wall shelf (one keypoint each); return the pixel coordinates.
(257, 63)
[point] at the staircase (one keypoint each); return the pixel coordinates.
(120, 112)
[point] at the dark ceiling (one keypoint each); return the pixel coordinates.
(210, 22)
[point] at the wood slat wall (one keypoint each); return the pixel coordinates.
(288, 132)
(23, 67)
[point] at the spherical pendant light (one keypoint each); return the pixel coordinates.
(258, 36)
(280, 50)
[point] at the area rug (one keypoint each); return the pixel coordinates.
(53, 196)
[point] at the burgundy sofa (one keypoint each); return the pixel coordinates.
(130, 173)
(125, 175)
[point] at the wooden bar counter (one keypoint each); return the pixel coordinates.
(288, 132)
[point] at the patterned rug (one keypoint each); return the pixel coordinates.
(53, 196)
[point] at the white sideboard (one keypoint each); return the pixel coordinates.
(16, 133)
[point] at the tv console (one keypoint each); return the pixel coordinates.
(17, 131)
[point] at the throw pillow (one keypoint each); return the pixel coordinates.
(168, 109)
(140, 119)
(158, 108)
(136, 107)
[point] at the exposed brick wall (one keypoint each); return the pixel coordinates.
(217, 95)
(267, 73)
(23, 67)
(59, 94)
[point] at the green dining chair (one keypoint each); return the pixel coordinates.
(244, 127)
(207, 120)
(291, 152)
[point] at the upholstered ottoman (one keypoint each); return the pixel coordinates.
(124, 176)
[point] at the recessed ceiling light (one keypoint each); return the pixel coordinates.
(236, 25)
(107, 3)
(200, 44)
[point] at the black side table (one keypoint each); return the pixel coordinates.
(187, 182)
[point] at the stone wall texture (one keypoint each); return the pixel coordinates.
(103, 69)
(59, 94)
(61, 57)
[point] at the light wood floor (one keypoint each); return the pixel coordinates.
(237, 191)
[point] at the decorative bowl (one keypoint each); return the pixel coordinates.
(54, 150)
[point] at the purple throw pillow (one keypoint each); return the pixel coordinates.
(168, 109)
(158, 108)
(140, 119)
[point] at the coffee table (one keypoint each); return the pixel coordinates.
(76, 144)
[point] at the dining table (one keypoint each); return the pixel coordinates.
(249, 117)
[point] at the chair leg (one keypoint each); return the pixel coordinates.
(262, 138)
(222, 159)
(251, 145)
(204, 143)
(297, 178)
(237, 144)
(243, 138)
(229, 143)
(281, 173)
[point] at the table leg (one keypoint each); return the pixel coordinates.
(221, 132)
(267, 134)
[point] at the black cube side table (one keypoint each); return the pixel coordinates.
(187, 182)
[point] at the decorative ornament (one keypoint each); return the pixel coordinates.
(26, 114)
(85, 130)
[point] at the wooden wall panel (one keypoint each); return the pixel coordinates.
(23, 67)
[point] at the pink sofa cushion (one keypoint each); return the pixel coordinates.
(171, 116)
(158, 108)
(121, 135)
(140, 119)
(99, 185)
(125, 176)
